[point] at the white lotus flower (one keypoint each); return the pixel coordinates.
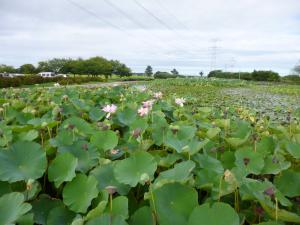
(143, 111)
(109, 109)
(158, 95)
(148, 104)
(180, 101)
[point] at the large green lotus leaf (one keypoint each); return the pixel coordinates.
(5, 135)
(217, 214)
(80, 125)
(135, 169)
(213, 132)
(255, 190)
(209, 163)
(63, 138)
(119, 207)
(275, 164)
(104, 140)
(293, 149)
(280, 214)
(180, 173)
(60, 216)
(106, 219)
(96, 114)
(139, 123)
(105, 176)
(236, 142)
(22, 161)
(142, 216)
(159, 128)
(127, 116)
(97, 211)
(12, 207)
(86, 154)
(250, 161)
(79, 193)
(174, 203)
(62, 168)
(42, 206)
(26, 219)
(28, 135)
(266, 146)
(288, 183)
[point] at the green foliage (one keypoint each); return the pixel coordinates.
(63, 162)
(149, 71)
(27, 69)
(255, 75)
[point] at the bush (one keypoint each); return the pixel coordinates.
(291, 79)
(265, 76)
(30, 80)
(165, 75)
(255, 75)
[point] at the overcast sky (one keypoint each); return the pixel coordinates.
(190, 35)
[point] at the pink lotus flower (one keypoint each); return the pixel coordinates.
(109, 109)
(158, 95)
(148, 104)
(180, 101)
(143, 111)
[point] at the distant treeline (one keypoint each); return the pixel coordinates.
(255, 75)
(93, 66)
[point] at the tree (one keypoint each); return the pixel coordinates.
(53, 65)
(120, 69)
(27, 69)
(149, 71)
(174, 72)
(201, 74)
(296, 69)
(7, 69)
(97, 66)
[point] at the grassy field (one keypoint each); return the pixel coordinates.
(168, 152)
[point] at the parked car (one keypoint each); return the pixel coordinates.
(11, 75)
(51, 74)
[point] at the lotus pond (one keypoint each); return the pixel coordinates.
(125, 155)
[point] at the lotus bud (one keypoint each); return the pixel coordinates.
(145, 178)
(246, 161)
(136, 132)
(44, 124)
(111, 189)
(114, 151)
(29, 184)
(270, 192)
(174, 129)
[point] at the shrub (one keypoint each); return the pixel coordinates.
(164, 75)
(30, 80)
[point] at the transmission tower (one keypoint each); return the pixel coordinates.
(214, 51)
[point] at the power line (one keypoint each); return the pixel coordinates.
(172, 15)
(153, 15)
(125, 14)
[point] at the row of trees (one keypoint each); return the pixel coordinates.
(255, 75)
(149, 72)
(93, 66)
